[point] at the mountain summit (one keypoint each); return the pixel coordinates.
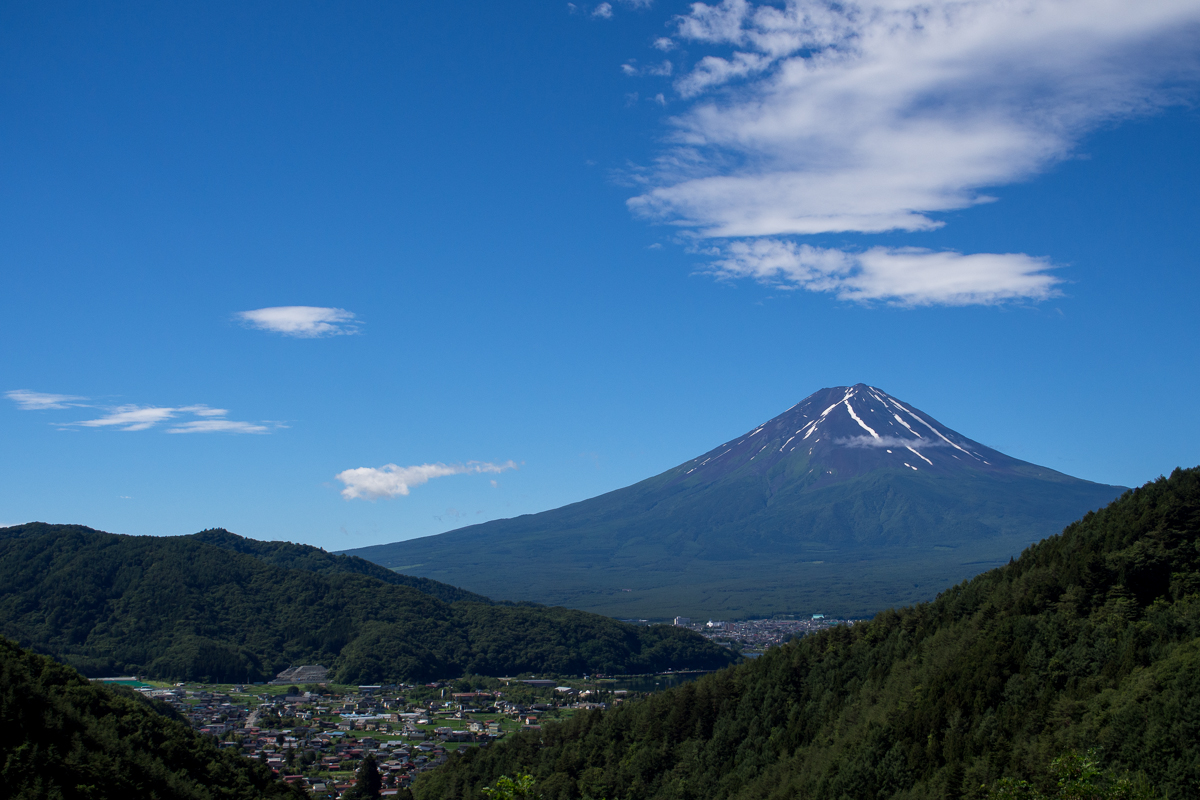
(848, 431)
(848, 502)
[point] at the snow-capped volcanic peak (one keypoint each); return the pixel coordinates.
(849, 430)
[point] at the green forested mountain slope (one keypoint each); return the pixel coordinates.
(62, 737)
(314, 559)
(180, 608)
(849, 502)
(1090, 639)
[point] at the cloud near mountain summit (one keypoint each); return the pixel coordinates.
(867, 117)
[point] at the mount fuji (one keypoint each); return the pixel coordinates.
(846, 503)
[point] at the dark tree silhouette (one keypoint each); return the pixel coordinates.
(368, 782)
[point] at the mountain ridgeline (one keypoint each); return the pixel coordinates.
(1091, 639)
(848, 502)
(219, 608)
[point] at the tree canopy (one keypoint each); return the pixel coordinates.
(1090, 639)
(63, 737)
(182, 608)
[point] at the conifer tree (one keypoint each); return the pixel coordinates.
(367, 783)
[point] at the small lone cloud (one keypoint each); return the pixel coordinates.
(391, 480)
(603, 11)
(302, 322)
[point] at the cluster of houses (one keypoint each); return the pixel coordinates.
(758, 634)
(319, 740)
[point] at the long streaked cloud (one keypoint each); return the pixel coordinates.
(862, 117)
(218, 426)
(140, 418)
(882, 442)
(42, 401)
(304, 322)
(907, 276)
(205, 419)
(390, 480)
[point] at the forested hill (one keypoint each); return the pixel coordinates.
(314, 559)
(64, 737)
(1090, 639)
(181, 608)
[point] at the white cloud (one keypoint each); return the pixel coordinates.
(131, 418)
(603, 11)
(390, 480)
(906, 276)
(41, 401)
(217, 426)
(306, 322)
(140, 418)
(882, 442)
(664, 44)
(818, 117)
(661, 70)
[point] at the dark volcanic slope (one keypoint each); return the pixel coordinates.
(849, 501)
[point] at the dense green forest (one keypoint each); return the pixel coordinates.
(1091, 639)
(62, 737)
(183, 608)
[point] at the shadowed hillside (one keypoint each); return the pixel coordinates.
(63, 737)
(181, 608)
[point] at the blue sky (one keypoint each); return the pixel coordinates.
(253, 254)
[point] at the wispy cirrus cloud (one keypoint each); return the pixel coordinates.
(219, 426)
(41, 401)
(818, 117)
(906, 276)
(140, 418)
(304, 322)
(390, 480)
(131, 417)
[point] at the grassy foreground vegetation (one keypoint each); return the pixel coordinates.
(1091, 639)
(232, 611)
